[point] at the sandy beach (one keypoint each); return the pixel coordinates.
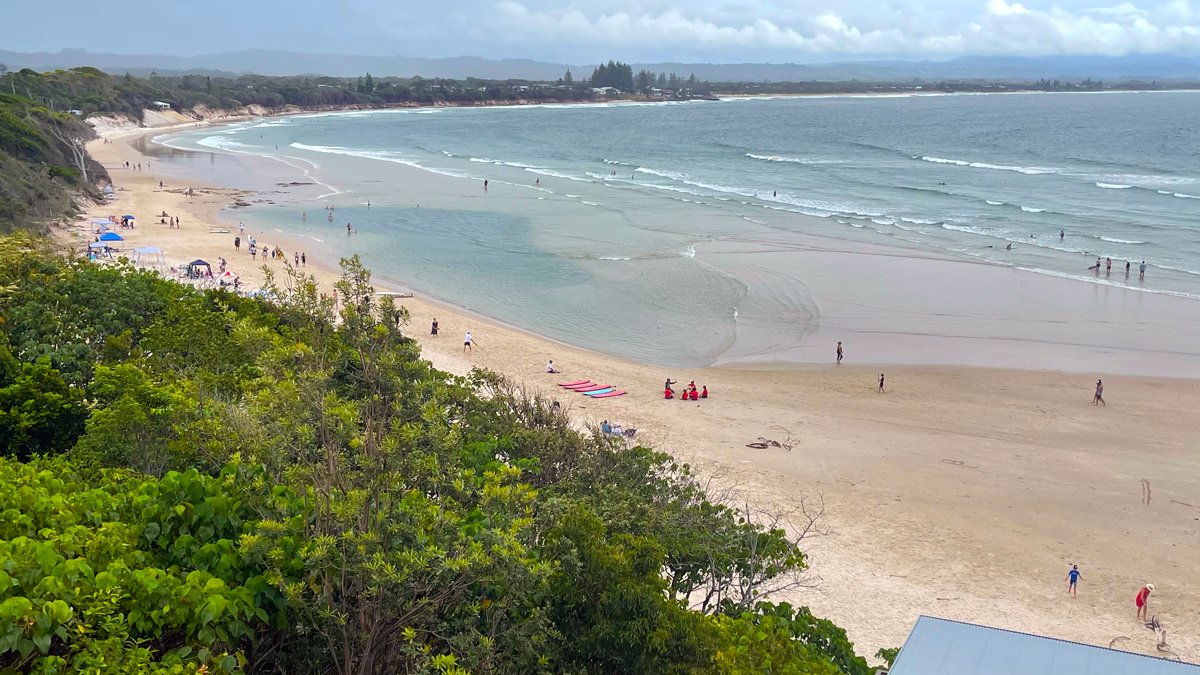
(960, 492)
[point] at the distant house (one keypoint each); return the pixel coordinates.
(76, 112)
(944, 647)
(605, 91)
(162, 106)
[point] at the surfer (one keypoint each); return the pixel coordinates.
(1061, 234)
(485, 185)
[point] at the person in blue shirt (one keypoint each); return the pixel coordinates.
(1073, 579)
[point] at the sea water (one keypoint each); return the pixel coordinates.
(616, 226)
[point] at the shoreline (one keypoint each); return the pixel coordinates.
(957, 493)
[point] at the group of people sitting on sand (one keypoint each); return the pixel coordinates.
(689, 392)
(616, 430)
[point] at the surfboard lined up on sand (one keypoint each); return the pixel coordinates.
(592, 389)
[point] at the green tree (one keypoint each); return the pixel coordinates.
(39, 412)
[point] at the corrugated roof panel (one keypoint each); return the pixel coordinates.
(944, 647)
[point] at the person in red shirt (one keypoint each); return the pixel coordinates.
(704, 392)
(1143, 601)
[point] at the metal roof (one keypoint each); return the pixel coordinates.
(941, 646)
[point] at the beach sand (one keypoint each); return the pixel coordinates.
(961, 492)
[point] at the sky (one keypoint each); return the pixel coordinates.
(586, 31)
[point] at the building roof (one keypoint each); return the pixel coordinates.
(944, 647)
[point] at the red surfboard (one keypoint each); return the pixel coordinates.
(576, 383)
(594, 387)
(577, 387)
(620, 392)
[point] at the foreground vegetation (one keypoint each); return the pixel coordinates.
(197, 482)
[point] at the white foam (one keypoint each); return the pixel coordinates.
(1107, 282)
(556, 174)
(1030, 209)
(1028, 170)
(1113, 186)
(1114, 240)
(379, 155)
(792, 160)
(994, 203)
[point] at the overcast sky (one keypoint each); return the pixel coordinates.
(585, 31)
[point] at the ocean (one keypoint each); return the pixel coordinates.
(709, 232)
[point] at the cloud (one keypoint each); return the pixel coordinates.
(992, 27)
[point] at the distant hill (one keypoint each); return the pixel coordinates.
(263, 62)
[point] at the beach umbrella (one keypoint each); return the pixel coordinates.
(111, 236)
(127, 216)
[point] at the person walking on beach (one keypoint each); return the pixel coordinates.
(468, 343)
(1108, 265)
(1098, 399)
(303, 259)
(1127, 269)
(1142, 600)
(1073, 577)
(434, 328)
(296, 258)
(839, 351)
(241, 228)
(1142, 270)
(485, 184)
(881, 383)
(237, 244)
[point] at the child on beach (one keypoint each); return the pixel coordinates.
(1073, 576)
(550, 366)
(1142, 600)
